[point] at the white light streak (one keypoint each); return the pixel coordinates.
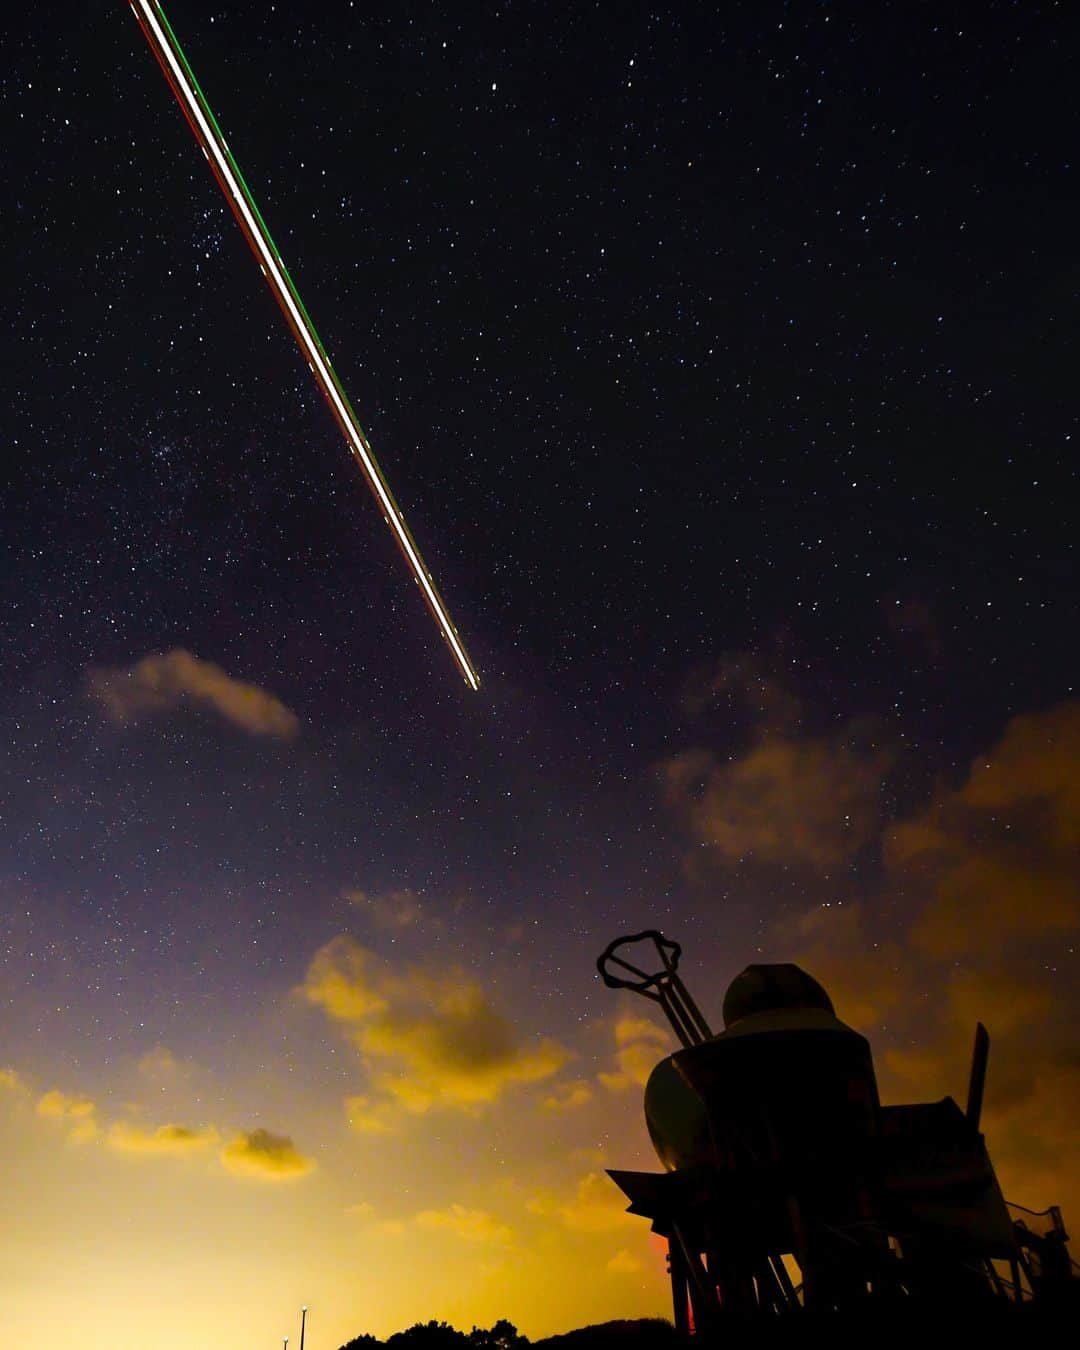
(214, 148)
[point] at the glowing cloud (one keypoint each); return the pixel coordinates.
(265, 1156)
(78, 1113)
(811, 801)
(624, 1263)
(989, 869)
(471, 1225)
(999, 855)
(176, 1140)
(427, 1040)
(639, 1044)
(10, 1081)
(161, 683)
(569, 1097)
(591, 1208)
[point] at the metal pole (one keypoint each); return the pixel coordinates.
(303, 1322)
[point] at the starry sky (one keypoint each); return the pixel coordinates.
(722, 360)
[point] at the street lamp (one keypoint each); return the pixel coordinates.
(303, 1321)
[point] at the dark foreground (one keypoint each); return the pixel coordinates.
(901, 1323)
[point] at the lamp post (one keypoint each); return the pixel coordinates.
(285, 1343)
(303, 1322)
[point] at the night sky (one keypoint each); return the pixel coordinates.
(722, 359)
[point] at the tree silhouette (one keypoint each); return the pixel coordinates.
(442, 1336)
(502, 1336)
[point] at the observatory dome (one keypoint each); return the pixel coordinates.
(773, 989)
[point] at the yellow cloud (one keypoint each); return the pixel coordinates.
(454, 1051)
(428, 1040)
(639, 1044)
(623, 1263)
(341, 980)
(79, 1113)
(569, 1097)
(266, 1156)
(367, 1116)
(471, 1225)
(165, 1139)
(161, 682)
(10, 1081)
(596, 1206)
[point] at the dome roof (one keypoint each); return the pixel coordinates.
(761, 989)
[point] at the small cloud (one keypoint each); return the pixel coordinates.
(269, 1157)
(743, 683)
(391, 911)
(428, 1039)
(569, 1097)
(363, 1210)
(623, 1263)
(595, 1206)
(341, 979)
(11, 1082)
(162, 682)
(812, 801)
(160, 1065)
(78, 1113)
(789, 798)
(369, 1117)
(639, 1043)
(471, 1225)
(175, 1140)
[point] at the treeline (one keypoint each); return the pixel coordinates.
(651, 1333)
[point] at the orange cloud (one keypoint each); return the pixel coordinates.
(265, 1156)
(989, 874)
(161, 683)
(427, 1040)
(999, 856)
(808, 801)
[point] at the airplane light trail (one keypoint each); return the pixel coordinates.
(196, 109)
